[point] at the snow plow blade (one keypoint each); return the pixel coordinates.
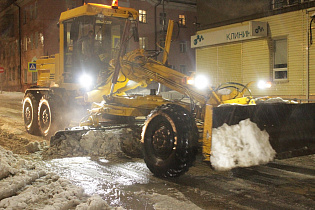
(291, 127)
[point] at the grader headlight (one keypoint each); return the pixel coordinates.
(201, 82)
(263, 84)
(86, 81)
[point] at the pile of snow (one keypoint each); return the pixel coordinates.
(240, 145)
(105, 143)
(7, 128)
(25, 185)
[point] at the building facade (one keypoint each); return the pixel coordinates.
(264, 40)
(29, 30)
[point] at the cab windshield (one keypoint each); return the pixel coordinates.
(90, 43)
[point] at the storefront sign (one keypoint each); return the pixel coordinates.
(252, 30)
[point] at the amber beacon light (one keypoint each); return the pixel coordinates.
(115, 4)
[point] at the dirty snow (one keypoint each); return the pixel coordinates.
(240, 145)
(105, 143)
(25, 185)
(162, 202)
(6, 127)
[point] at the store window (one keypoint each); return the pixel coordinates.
(142, 16)
(280, 61)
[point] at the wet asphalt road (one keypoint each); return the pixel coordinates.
(282, 184)
(128, 183)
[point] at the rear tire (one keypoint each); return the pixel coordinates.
(30, 107)
(170, 139)
(48, 122)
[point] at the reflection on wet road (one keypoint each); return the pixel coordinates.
(128, 183)
(106, 178)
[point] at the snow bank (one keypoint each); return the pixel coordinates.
(25, 185)
(7, 128)
(240, 145)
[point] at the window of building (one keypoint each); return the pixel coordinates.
(182, 69)
(13, 49)
(35, 10)
(36, 39)
(9, 50)
(41, 38)
(25, 75)
(182, 20)
(143, 42)
(31, 12)
(71, 4)
(24, 16)
(13, 74)
(34, 77)
(280, 60)
(183, 46)
(142, 16)
(162, 43)
(277, 4)
(163, 18)
(19, 73)
(10, 74)
(25, 44)
(172, 67)
(31, 41)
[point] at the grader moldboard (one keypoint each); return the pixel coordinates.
(170, 135)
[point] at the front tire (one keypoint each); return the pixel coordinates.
(30, 107)
(170, 139)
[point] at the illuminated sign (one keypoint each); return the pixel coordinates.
(253, 30)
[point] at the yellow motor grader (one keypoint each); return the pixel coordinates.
(174, 129)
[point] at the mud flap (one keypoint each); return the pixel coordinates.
(291, 127)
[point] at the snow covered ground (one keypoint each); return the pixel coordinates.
(25, 185)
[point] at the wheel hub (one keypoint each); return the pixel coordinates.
(28, 114)
(45, 117)
(163, 142)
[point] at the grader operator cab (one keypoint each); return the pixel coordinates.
(173, 130)
(90, 37)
